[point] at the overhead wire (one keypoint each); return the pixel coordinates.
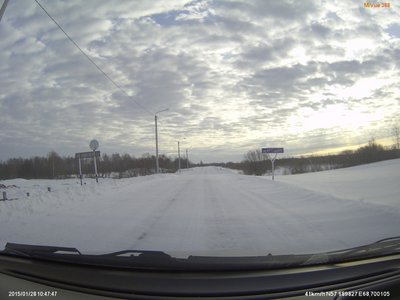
(3, 8)
(91, 60)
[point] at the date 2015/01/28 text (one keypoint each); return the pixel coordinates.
(32, 293)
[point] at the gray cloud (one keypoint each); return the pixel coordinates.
(234, 74)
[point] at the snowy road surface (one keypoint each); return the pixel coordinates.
(201, 211)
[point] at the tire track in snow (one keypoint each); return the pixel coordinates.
(328, 222)
(159, 219)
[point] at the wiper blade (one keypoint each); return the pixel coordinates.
(148, 254)
(34, 250)
(381, 247)
(393, 238)
(126, 258)
(136, 253)
(146, 259)
(385, 246)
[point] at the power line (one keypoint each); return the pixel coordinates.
(3, 8)
(104, 73)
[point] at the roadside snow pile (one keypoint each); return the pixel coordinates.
(377, 183)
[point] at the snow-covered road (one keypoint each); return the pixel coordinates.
(201, 211)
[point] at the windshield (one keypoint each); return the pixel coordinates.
(200, 128)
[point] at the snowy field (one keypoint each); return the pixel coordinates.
(207, 211)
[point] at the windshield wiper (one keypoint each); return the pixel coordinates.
(35, 250)
(126, 258)
(382, 247)
(146, 259)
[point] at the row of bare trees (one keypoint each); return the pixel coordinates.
(257, 163)
(55, 166)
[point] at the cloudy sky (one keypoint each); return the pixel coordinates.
(308, 76)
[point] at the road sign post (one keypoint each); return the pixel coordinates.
(95, 166)
(275, 151)
(94, 144)
(80, 169)
(90, 154)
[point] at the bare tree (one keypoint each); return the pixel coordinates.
(54, 161)
(255, 162)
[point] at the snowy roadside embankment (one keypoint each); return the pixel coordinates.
(377, 183)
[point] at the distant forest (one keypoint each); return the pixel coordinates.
(257, 163)
(115, 165)
(120, 166)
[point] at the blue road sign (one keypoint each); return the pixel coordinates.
(89, 154)
(271, 150)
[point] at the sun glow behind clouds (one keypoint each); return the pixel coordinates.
(300, 55)
(359, 47)
(331, 116)
(362, 88)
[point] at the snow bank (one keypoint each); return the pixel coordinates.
(375, 183)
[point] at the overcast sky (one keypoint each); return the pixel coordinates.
(308, 76)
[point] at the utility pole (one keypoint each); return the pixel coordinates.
(179, 159)
(155, 121)
(187, 159)
(157, 164)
